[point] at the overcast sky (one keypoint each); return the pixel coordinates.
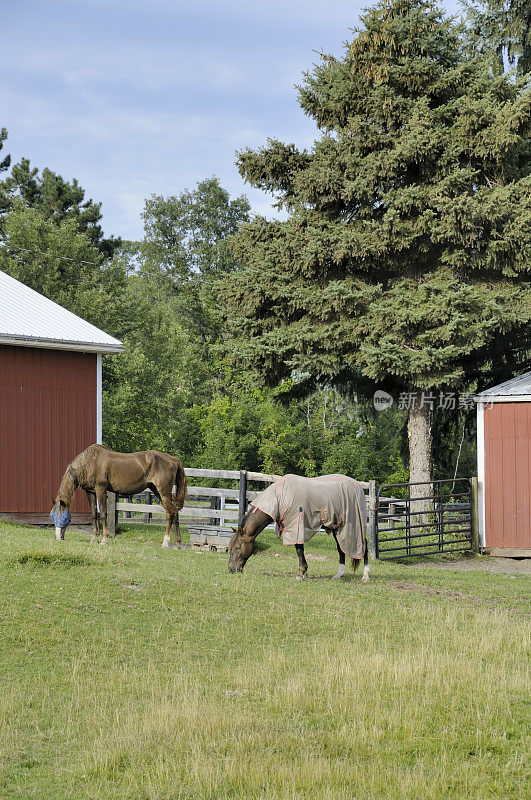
(135, 98)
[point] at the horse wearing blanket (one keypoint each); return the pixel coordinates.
(300, 507)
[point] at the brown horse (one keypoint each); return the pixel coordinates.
(98, 470)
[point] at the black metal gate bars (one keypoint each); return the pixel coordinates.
(419, 519)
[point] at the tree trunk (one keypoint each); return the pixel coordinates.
(420, 456)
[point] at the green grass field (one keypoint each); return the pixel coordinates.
(133, 673)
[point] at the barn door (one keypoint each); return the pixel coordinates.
(508, 476)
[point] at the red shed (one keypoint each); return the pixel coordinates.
(504, 467)
(50, 398)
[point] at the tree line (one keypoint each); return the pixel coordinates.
(402, 264)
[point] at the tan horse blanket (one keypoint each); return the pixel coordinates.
(301, 506)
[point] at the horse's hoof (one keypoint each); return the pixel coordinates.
(167, 546)
(93, 541)
(103, 541)
(365, 579)
(337, 576)
(300, 578)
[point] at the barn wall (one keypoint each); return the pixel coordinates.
(507, 429)
(47, 415)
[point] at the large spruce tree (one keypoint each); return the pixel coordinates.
(404, 256)
(503, 29)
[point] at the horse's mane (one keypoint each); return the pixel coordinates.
(75, 473)
(69, 483)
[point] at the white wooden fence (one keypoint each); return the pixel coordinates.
(217, 507)
(223, 504)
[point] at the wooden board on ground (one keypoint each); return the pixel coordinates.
(509, 552)
(207, 537)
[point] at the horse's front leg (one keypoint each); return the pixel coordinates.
(303, 564)
(101, 497)
(94, 511)
(341, 569)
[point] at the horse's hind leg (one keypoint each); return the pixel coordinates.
(167, 536)
(177, 530)
(341, 569)
(366, 568)
(167, 502)
(303, 564)
(94, 511)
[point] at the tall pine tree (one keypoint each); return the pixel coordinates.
(404, 259)
(56, 200)
(5, 162)
(51, 240)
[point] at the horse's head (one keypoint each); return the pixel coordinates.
(241, 544)
(240, 548)
(60, 516)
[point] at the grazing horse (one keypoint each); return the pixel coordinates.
(99, 470)
(300, 507)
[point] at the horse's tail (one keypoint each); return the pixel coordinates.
(354, 563)
(181, 485)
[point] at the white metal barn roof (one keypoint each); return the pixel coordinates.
(29, 319)
(514, 390)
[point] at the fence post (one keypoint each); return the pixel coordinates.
(214, 504)
(474, 513)
(242, 499)
(221, 521)
(111, 514)
(372, 519)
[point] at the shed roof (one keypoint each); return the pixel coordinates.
(29, 319)
(518, 388)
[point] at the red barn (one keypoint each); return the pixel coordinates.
(504, 467)
(50, 398)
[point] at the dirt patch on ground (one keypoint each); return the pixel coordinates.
(431, 591)
(421, 588)
(293, 575)
(509, 566)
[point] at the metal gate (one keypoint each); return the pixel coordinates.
(437, 519)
